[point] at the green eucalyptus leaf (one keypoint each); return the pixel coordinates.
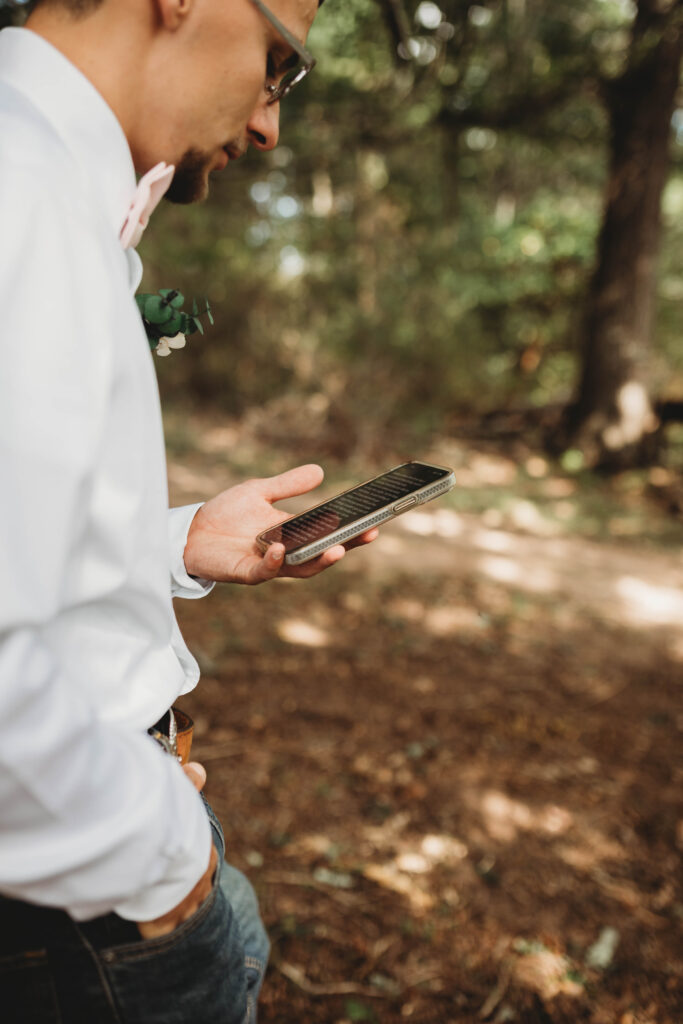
(174, 325)
(195, 307)
(157, 311)
(198, 324)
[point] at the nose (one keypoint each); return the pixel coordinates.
(263, 127)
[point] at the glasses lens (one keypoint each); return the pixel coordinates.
(290, 78)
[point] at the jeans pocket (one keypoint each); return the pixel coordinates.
(195, 975)
(27, 994)
(123, 936)
(130, 945)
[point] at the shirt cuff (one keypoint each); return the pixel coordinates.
(188, 834)
(183, 585)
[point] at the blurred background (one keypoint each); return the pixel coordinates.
(452, 766)
(452, 236)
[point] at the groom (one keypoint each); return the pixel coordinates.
(115, 903)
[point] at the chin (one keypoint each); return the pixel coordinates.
(190, 182)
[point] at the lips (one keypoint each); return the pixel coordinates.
(221, 161)
(231, 151)
(234, 151)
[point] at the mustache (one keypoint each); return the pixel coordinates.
(236, 148)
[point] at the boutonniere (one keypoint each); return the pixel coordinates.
(166, 323)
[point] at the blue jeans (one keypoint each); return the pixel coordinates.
(208, 971)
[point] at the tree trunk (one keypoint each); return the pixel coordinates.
(612, 419)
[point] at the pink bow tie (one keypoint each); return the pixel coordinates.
(151, 188)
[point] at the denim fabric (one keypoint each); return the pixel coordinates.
(208, 971)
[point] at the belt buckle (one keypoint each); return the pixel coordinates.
(168, 742)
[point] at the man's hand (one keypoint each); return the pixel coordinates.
(221, 543)
(170, 921)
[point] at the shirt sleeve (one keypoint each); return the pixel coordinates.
(93, 816)
(183, 585)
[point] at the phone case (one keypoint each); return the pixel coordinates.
(418, 497)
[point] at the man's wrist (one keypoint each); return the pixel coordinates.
(187, 578)
(171, 920)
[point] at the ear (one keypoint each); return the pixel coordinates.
(172, 13)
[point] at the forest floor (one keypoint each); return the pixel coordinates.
(452, 765)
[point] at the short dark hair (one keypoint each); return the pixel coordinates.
(24, 7)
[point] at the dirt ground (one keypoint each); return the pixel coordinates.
(452, 767)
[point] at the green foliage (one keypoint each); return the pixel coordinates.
(163, 316)
(358, 1011)
(420, 244)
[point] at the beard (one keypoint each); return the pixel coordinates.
(190, 182)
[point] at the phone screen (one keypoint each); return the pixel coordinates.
(354, 504)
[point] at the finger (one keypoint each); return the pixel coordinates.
(316, 565)
(295, 481)
(365, 538)
(196, 773)
(329, 557)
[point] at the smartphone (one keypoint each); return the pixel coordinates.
(351, 513)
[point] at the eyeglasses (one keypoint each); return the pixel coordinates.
(299, 66)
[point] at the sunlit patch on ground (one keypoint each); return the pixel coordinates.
(636, 590)
(645, 603)
(298, 631)
(504, 817)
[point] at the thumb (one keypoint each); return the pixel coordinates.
(196, 773)
(271, 562)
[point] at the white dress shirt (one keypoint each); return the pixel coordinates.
(93, 815)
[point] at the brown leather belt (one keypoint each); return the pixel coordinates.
(173, 732)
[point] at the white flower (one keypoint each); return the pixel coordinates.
(166, 344)
(177, 341)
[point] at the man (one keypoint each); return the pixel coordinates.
(115, 905)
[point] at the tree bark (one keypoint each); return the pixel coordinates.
(398, 24)
(613, 419)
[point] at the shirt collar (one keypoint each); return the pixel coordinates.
(77, 113)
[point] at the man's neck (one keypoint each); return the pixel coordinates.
(104, 49)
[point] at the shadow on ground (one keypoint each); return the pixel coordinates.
(452, 768)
